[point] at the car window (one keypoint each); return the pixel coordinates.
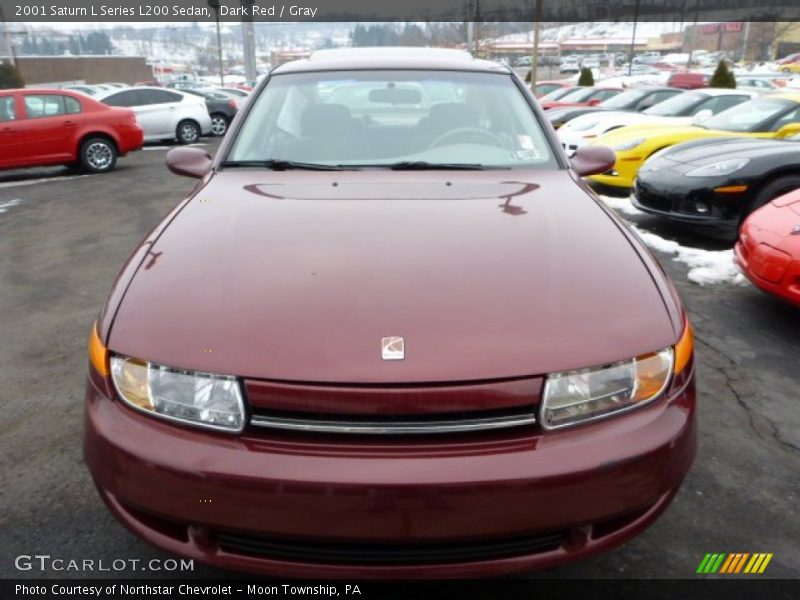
(793, 116)
(37, 107)
(126, 98)
(8, 109)
(546, 88)
(625, 99)
(755, 115)
(657, 97)
(678, 105)
(717, 104)
(604, 94)
(71, 105)
(557, 94)
(159, 97)
(377, 118)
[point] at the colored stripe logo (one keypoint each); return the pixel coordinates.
(733, 563)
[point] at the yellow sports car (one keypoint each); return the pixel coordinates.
(775, 116)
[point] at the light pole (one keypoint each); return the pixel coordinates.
(537, 16)
(633, 38)
(215, 5)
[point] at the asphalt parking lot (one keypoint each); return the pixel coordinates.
(63, 239)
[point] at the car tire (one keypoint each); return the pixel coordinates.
(219, 124)
(778, 187)
(187, 132)
(98, 155)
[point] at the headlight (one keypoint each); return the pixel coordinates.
(202, 399)
(629, 145)
(574, 397)
(723, 167)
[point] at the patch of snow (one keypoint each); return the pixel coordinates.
(623, 205)
(706, 267)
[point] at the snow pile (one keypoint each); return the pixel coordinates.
(621, 205)
(706, 267)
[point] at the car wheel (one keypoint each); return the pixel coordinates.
(188, 132)
(219, 124)
(98, 155)
(782, 185)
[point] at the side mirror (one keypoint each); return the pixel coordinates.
(788, 130)
(592, 160)
(189, 162)
(701, 116)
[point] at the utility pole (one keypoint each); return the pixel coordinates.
(7, 38)
(215, 5)
(633, 38)
(537, 19)
(249, 39)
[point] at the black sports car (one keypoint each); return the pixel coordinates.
(221, 107)
(713, 184)
(635, 99)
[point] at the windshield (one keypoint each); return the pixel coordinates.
(624, 99)
(755, 115)
(557, 94)
(377, 119)
(677, 105)
(578, 94)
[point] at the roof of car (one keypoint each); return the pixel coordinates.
(340, 59)
(106, 93)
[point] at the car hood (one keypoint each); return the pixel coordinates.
(709, 151)
(298, 276)
(652, 133)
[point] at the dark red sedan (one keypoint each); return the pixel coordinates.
(768, 250)
(41, 127)
(387, 336)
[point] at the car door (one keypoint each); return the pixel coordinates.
(11, 133)
(163, 107)
(47, 129)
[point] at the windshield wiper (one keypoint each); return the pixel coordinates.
(421, 165)
(280, 165)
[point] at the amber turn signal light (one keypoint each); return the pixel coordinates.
(684, 349)
(98, 353)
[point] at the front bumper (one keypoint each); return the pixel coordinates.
(667, 194)
(332, 507)
(767, 267)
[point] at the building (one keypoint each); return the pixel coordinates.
(53, 70)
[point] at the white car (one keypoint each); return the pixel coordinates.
(683, 109)
(163, 114)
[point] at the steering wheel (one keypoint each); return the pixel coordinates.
(467, 132)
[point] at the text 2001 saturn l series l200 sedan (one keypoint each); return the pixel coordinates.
(390, 334)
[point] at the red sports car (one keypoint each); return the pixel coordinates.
(384, 337)
(581, 96)
(768, 250)
(60, 127)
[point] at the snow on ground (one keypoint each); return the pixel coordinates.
(4, 206)
(706, 267)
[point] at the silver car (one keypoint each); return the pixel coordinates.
(163, 114)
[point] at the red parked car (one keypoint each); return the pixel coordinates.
(582, 96)
(768, 250)
(60, 127)
(389, 338)
(688, 80)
